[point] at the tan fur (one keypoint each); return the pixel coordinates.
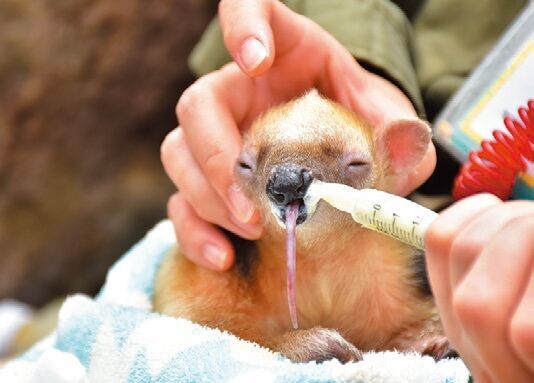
(350, 279)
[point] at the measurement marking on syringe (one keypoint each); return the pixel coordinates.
(393, 226)
(376, 210)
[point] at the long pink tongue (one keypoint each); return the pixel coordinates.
(292, 211)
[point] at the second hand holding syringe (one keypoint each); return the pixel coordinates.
(376, 210)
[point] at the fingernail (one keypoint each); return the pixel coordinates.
(252, 53)
(214, 255)
(253, 230)
(241, 206)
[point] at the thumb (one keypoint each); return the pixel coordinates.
(247, 33)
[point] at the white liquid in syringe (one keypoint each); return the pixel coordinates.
(377, 210)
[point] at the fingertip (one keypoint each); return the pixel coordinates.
(218, 256)
(441, 233)
(252, 56)
(229, 259)
(202, 243)
(254, 49)
(248, 35)
(213, 255)
(215, 251)
(250, 231)
(169, 146)
(242, 208)
(437, 238)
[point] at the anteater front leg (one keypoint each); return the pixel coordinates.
(426, 338)
(318, 344)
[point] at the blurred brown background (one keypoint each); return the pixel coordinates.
(87, 93)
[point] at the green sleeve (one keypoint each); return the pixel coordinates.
(376, 32)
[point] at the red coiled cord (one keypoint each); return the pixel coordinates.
(493, 168)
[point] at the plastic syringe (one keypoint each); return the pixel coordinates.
(376, 210)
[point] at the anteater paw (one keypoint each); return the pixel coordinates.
(317, 344)
(439, 348)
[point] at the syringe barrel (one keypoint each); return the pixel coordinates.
(393, 215)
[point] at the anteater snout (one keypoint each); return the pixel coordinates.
(288, 183)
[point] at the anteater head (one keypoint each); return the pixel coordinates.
(314, 138)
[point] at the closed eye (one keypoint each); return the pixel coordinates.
(244, 165)
(355, 164)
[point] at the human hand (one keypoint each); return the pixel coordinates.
(279, 55)
(480, 260)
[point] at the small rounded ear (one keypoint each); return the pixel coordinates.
(402, 144)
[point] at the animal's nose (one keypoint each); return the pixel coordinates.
(288, 183)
